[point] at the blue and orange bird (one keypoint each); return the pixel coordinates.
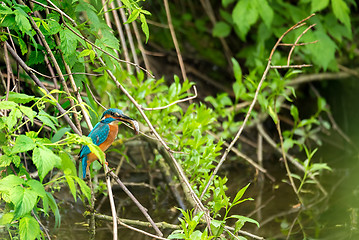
(103, 135)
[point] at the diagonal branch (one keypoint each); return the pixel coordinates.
(142, 209)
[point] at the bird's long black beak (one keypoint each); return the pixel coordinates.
(131, 121)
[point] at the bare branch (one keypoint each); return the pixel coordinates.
(143, 210)
(296, 41)
(291, 66)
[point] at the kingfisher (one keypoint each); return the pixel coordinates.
(103, 135)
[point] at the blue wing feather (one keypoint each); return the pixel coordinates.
(98, 135)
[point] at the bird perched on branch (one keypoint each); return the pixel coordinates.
(103, 135)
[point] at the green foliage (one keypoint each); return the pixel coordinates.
(190, 223)
(23, 194)
(195, 133)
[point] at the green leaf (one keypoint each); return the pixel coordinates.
(240, 194)
(23, 144)
(68, 42)
(217, 227)
(54, 209)
(19, 97)
(11, 120)
(242, 220)
(6, 218)
(70, 183)
(6, 160)
(22, 21)
(85, 53)
(37, 187)
(59, 134)
(97, 151)
(109, 40)
(237, 70)
(324, 51)
(273, 114)
(35, 57)
(8, 105)
(265, 11)
(28, 112)
(67, 163)
(221, 29)
(53, 27)
(294, 112)
(318, 5)
(47, 119)
(24, 200)
(23, 46)
(144, 26)
(134, 15)
(244, 15)
(84, 188)
(29, 228)
(341, 11)
(9, 182)
(44, 160)
(5, 9)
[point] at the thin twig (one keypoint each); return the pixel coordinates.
(297, 44)
(121, 34)
(143, 210)
(245, 157)
(9, 72)
(174, 39)
(74, 87)
(296, 41)
(42, 225)
(245, 233)
(112, 204)
(291, 66)
(284, 155)
(140, 46)
(162, 225)
(318, 77)
(94, 97)
(128, 32)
